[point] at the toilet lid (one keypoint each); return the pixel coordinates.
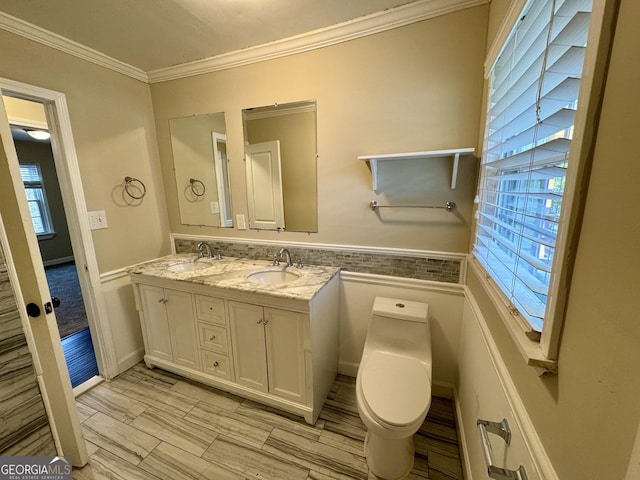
(396, 389)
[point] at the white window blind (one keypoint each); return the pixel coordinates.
(36, 199)
(533, 96)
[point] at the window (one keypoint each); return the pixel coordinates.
(533, 98)
(36, 199)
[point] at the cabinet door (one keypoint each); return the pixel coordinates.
(285, 340)
(247, 340)
(156, 323)
(182, 325)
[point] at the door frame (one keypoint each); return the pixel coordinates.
(66, 162)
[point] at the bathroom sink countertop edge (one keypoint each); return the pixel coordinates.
(232, 273)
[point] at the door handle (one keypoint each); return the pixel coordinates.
(33, 310)
(48, 307)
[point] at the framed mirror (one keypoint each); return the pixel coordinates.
(201, 168)
(281, 166)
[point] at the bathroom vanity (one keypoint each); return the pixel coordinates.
(244, 326)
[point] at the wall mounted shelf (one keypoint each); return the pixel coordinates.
(455, 153)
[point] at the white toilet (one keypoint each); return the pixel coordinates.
(393, 386)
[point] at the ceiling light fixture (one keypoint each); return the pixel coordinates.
(38, 134)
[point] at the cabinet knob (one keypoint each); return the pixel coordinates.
(215, 364)
(260, 321)
(265, 322)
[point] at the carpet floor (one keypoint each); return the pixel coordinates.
(63, 283)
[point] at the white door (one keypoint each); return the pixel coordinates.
(264, 185)
(247, 339)
(285, 341)
(31, 286)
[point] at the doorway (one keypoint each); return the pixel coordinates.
(31, 138)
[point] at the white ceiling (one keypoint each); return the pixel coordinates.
(155, 34)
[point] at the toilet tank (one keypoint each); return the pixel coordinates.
(401, 327)
(401, 309)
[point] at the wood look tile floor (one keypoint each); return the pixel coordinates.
(151, 424)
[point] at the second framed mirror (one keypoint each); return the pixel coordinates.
(281, 166)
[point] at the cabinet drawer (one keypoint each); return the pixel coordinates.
(216, 364)
(209, 309)
(213, 337)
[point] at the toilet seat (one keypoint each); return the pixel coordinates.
(396, 389)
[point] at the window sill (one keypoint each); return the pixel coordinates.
(46, 236)
(529, 349)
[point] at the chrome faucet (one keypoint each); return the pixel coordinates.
(202, 247)
(283, 254)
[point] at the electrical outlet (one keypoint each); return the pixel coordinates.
(241, 224)
(98, 220)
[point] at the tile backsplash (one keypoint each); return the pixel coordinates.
(419, 267)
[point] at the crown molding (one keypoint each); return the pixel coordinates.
(332, 35)
(53, 40)
(324, 37)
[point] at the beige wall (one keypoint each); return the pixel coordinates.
(587, 415)
(414, 88)
(114, 134)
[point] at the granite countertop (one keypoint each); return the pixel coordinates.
(232, 273)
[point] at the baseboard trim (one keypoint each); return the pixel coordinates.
(128, 361)
(88, 385)
(462, 437)
(58, 261)
(350, 369)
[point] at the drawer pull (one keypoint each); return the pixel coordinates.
(213, 337)
(215, 364)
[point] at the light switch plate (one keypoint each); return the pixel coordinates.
(241, 224)
(215, 207)
(98, 220)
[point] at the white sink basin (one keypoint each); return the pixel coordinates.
(187, 267)
(272, 277)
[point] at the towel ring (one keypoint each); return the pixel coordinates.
(128, 181)
(195, 189)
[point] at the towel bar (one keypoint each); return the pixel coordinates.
(449, 206)
(501, 429)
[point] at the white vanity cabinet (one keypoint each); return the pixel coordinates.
(269, 349)
(277, 349)
(169, 325)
